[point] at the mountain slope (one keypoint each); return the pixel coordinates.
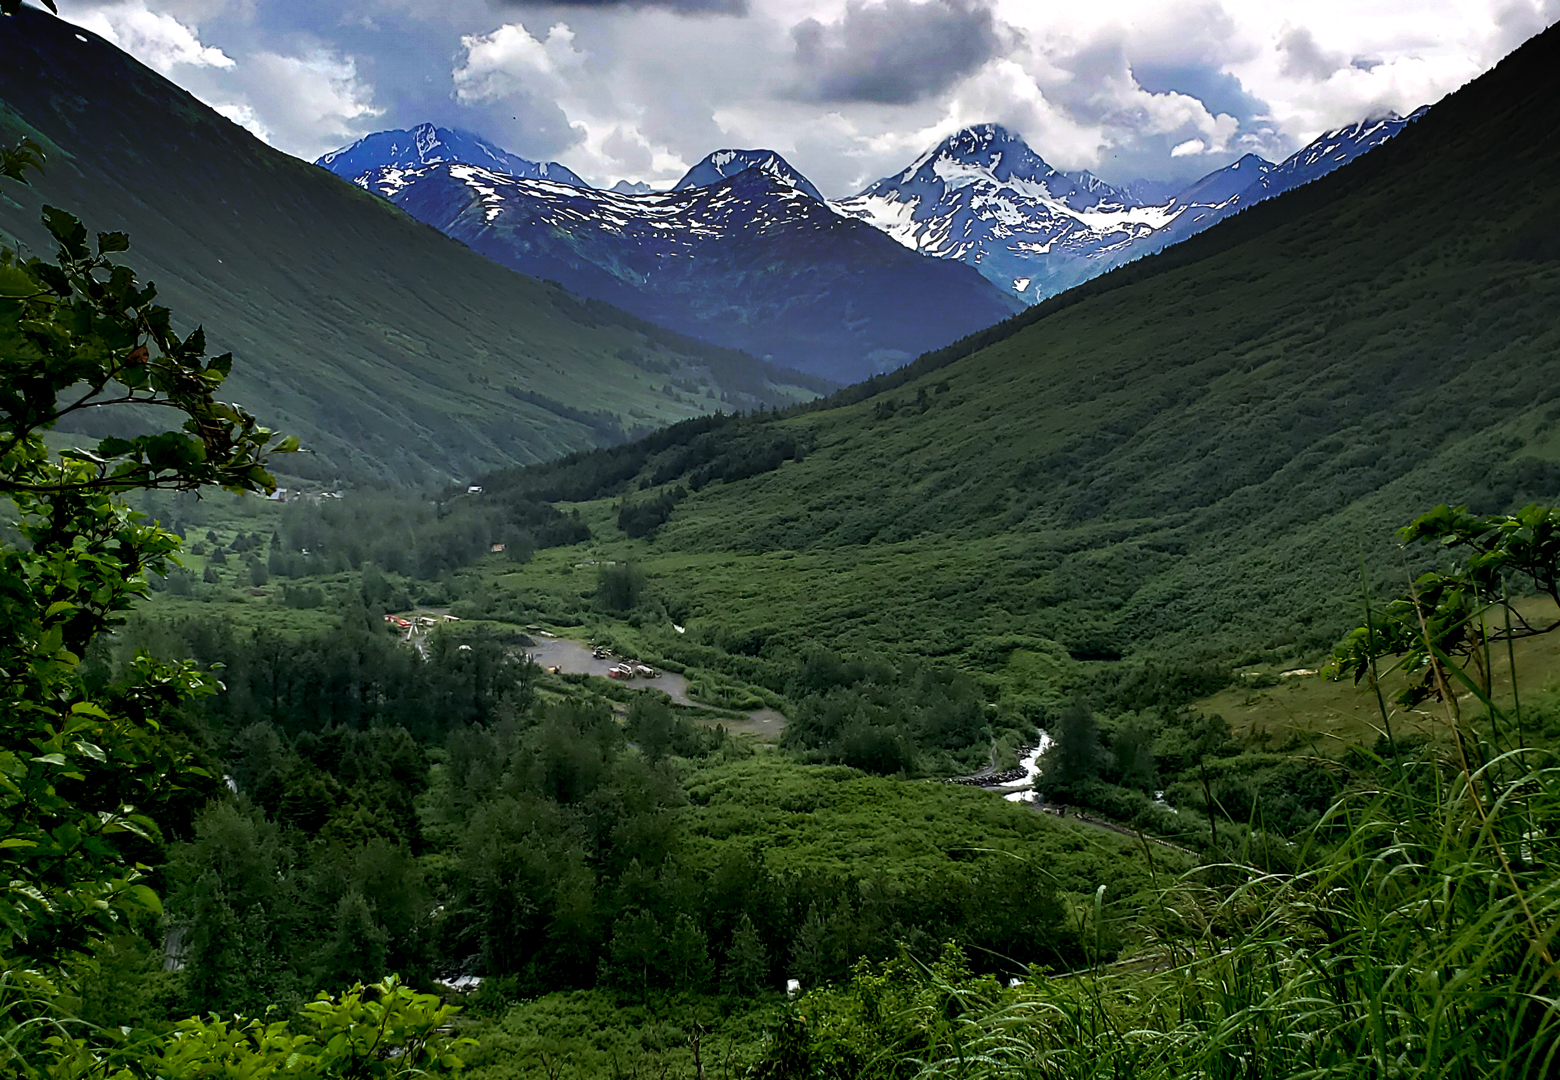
(751, 261)
(393, 351)
(1325, 153)
(1190, 454)
(983, 197)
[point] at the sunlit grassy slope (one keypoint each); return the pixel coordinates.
(1193, 453)
(393, 351)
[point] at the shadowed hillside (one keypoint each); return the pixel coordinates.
(393, 351)
(1190, 451)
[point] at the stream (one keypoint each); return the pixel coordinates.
(1024, 790)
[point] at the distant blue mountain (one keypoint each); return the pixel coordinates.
(385, 154)
(723, 164)
(1220, 186)
(754, 260)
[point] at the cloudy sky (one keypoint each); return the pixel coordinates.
(847, 90)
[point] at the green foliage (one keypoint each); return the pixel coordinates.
(79, 769)
(1454, 617)
(658, 731)
(1078, 755)
(698, 451)
(890, 1021)
(90, 759)
(882, 720)
(584, 1034)
(619, 587)
(355, 675)
(418, 537)
(1417, 945)
(385, 1030)
(641, 520)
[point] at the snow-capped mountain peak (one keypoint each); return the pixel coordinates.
(426, 139)
(382, 161)
(982, 192)
(834, 296)
(724, 164)
(984, 197)
(990, 158)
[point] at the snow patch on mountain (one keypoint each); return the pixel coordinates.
(984, 197)
(723, 164)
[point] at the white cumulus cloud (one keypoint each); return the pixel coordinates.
(158, 40)
(511, 61)
(304, 104)
(849, 90)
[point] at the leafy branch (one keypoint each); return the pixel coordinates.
(1445, 617)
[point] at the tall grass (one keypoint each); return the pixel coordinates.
(1418, 946)
(1417, 940)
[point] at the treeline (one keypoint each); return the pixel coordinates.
(413, 536)
(570, 869)
(356, 677)
(642, 519)
(436, 817)
(695, 452)
(889, 719)
(1181, 773)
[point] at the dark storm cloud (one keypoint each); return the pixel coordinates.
(690, 7)
(895, 52)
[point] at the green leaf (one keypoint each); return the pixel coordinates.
(143, 897)
(16, 282)
(66, 228)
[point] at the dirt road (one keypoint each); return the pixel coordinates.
(574, 657)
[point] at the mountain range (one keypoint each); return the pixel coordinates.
(394, 352)
(983, 197)
(764, 263)
(742, 252)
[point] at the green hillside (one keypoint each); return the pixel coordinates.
(1190, 455)
(394, 352)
